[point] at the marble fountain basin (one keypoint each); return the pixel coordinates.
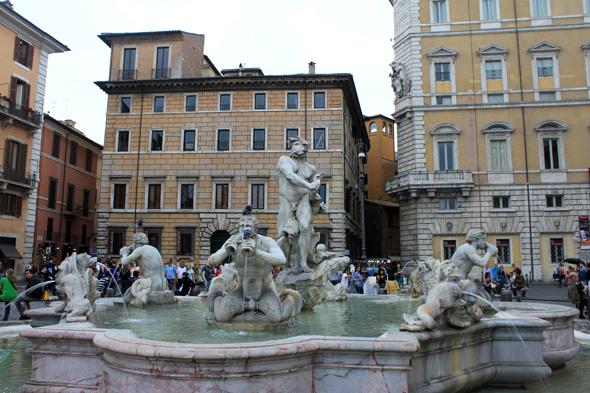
(357, 348)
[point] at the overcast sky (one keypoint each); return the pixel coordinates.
(280, 37)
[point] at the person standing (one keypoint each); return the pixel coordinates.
(37, 294)
(179, 274)
(206, 275)
(560, 275)
(358, 280)
(575, 293)
(124, 279)
(582, 275)
(190, 272)
(170, 273)
(345, 280)
(495, 272)
(7, 284)
(518, 283)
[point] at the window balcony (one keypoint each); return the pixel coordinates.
(430, 181)
(17, 178)
(125, 75)
(13, 113)
(73, 211)
(161, 73)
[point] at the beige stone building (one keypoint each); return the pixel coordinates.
(493, 117)
(187, 146)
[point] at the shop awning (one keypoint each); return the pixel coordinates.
(10, 251)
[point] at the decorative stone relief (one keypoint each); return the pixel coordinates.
(399, 82)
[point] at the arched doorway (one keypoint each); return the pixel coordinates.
(217, 240)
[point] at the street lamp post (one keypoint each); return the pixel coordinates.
(361, 148)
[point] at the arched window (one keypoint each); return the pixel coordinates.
(384, 128)
(373, 127)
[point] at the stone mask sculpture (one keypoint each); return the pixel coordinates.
(76, 281)
(254, 304)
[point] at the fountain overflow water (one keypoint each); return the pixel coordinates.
(25, 293)
(119, 288)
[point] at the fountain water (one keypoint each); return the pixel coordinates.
(23, 294)
(119, 288)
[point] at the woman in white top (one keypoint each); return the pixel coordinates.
(345, 280)
(134, 268)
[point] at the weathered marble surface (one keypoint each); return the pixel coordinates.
(76, 282)
(445, 360)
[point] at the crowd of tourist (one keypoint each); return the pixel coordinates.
(354, 277)
(497, 279)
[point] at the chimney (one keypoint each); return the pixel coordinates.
(311, 68)
(240, 68)
(70, 123)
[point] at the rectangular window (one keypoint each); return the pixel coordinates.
(159, 103)
(319, 99)
(442, 72)
(23, 53)
(68, 235)
(221, 196)
(390, 220)
(257, 196)
(501, 202)
(439, 11)
(123, 141)
(157, 140)
(222, 140)
(190, 103)
(119, 196)
(116, 240)
(125, 105)
(260, 101)
(291, 132)
(448, 203)
(258, 139)
(128, 64)
(162, 63)
(154, 195)
(319, 138)
(292, 100)
(86, 203)
(224, 102)
(52, 198)
(554, 200)
(498, 151)
(83, 236)
(189, 140)
(503, 246)
(49, 232)
(389, 241)
(495, 98)
(449, 248)
(10, 205)
(556, 246)
(540, 8)
(493, 70)
(445, 156)
(184, 238)
(545, 68)
(322, 192)
(551, 152)
(187, 192)
(444, 100)
(70, 200)
(73, 153)
(56, 143)
(154, 236)
(88, 166)
(489, 9)
(547, 96)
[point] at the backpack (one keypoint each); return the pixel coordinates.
(572, 294)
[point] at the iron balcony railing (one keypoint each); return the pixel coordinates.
(11, 174)
(161, 73)
(11, 107)
(127, 74)
(258, 145)
(56, 237)
(74, 210)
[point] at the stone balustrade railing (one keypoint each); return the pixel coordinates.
(430, 180)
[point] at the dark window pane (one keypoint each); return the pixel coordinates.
(73, 153)
(258, 139)
(191, 103)
(319, 100)
(224, 102)
(154, 194)
(291, 132)
(442, 72)
(186, 196)
(70, 200)
(554, 154)
(558, 201)
(292, 100)
(162, 63)
(86, 203)
(120, 194)
(496, 203)
(125, 105)
(186, 243)
(129, 64)
(159, 104)
(157, 140)
(322, 192)
(189, 140)
(88, 166)
(49, 232)
(222, 139)
(221, 196)
(260, 101)
(52, 193)
(123, 143)
(56, 143)
(257, 196)
(319, 138)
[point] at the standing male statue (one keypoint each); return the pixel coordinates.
(299, 203)
(466, 255)
(148, 257)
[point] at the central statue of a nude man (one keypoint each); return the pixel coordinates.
(254, 255)
(299, 203)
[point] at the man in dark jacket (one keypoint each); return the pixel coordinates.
(36, 294)
(185, 285)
